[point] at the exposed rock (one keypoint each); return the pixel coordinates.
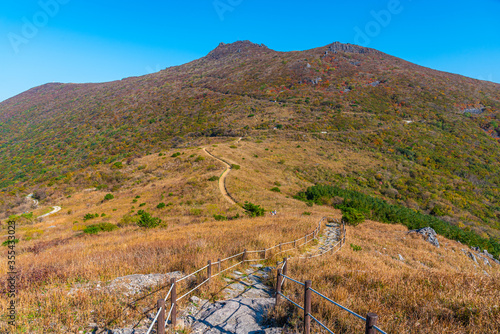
(131, 284)
(238, 315)
(401, 257)
(475, 111)
(471, 255)
(375, 84)
(429, 235)
(350, 48)
(485, 260)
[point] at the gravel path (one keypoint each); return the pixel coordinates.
(247, 298)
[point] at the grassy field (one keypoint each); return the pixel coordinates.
(431, 290)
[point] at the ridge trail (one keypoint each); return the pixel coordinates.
(222, 179)
(247, 298)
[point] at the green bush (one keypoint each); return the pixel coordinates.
(276, 189)
(356, 248)
(146, 220)
(253, 210)
(109, 197)
(142, 204)
(307, 213)
(200, 158)
(352, 216)
(161, 205)
(90, 216)
(10, 242)
(117, 165)
(195, 212)
(175, 155)
(379, 210)
(220, 218)
(236, 167)
(214, 178)
(101, 227)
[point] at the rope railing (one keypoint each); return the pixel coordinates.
(173, 294)
(192, 274)
(370, 320)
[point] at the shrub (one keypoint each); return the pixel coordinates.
(307, 213)
(235, 167)
(233, 146)
(379, 210)
(142, 204)
(356, 248)
(200, 158)
(127, 220)
(352, 216)
(175, 155)
(10, 242)
(253, 210)
(220, 218)
(90, 216)
(278, 184)
(146, 220)
(101, 227)
(109, 197)
(214, 178)
(161, 205)
(195, 212)
(276, 189)
(117, 165)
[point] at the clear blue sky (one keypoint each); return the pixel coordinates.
(95, 41)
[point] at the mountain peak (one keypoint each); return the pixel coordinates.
(239, 47)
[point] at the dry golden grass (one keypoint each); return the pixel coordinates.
(432, 291)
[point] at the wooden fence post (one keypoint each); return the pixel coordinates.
(371, 320)
(280, 247)
(278, 286)
(218, 265)
(173, 301)
(295, 244)
(244, 255)
(209, 270)
(265, 251)
(160, 322)
(306, 240)
(307, 307)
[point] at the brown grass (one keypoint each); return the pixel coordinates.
(433, 290)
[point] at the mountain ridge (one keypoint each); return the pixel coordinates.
(360, 97)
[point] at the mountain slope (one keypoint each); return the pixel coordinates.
(436, 133)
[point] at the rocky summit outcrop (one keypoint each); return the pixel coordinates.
(429, 235)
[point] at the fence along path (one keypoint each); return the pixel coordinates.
(164, 314)
(370, 320)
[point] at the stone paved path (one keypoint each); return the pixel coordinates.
(247, 298)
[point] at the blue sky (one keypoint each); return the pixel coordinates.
(94, 41)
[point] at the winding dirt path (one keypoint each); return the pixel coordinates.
(222, 179)
(56, 209)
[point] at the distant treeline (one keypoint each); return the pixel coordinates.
(379, 210)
